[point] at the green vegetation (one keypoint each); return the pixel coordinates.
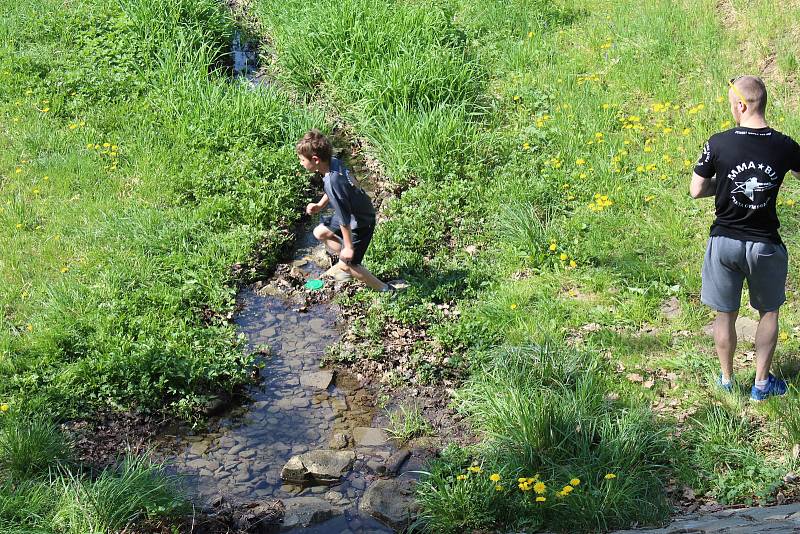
(406, 423)
(41, 489)
(135, 174)
(539, 152)
(547, 199)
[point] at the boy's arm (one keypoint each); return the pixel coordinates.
(346, 253)
(316, 207)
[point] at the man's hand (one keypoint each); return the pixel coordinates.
(346, 254)
(313, 208)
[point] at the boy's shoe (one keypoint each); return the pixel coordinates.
(337, 274)
(775, 388)
(727, 388)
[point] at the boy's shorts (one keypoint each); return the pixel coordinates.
(729, 261)
(361, 238)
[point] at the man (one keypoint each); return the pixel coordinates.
(743, 169)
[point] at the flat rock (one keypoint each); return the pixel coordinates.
(391, 501)
(369, 437)
(305, 511)
(317, 379)
(322, 465)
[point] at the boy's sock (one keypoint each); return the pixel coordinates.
(762, 384)
(724, 381)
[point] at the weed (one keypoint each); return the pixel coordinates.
(407, 423)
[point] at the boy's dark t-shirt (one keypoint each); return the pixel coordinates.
(351, 204)
(750, 164)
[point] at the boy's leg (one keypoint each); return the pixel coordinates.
(766, 339)
(362, 274)
(361, 240)
(327, 236)
(725, 341)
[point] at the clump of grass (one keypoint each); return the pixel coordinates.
(117, 498)
(407, 423)
(723, 460)
(547, 419)
(31, 446)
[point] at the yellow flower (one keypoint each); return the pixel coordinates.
(45, 110)
(648, 198)
(566, 490)
(783, 336)
(18, 226)
(494, 477)
(474, 469)
(790, 202)
(541, 499)
(553, 246)
(64, 269)
(572, 264)
(530, 35)
(73, 126)
(719, 99)
(3, 407)
(513, 307)
(498, 488)
(686, 131)
(563, 257)
(539, 487)
(29, 327)
(575, 481)
(524, 486)
(610, 476)
(725, 124)
(462, 477)
(526, 146)
(580, 161)
(606, 106)
(106, 145)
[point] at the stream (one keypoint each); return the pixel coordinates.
(295, 408)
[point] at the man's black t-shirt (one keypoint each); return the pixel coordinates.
(750, 164)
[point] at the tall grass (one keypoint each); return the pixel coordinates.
(30, 446)
(546, 412)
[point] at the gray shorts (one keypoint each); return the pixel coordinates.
(729, 261)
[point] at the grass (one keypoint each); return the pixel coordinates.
(407, 423)
(552, 139)
(566, 167)
(42, 489)
(127, 194)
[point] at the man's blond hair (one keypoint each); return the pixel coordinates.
(314, 143)
(754, 91)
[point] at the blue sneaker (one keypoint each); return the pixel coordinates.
(727, 388)
(775, 388)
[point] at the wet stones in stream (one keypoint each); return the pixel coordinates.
(320, 466)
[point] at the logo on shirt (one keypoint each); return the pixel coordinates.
(750, 181)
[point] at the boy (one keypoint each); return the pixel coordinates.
(350, 230)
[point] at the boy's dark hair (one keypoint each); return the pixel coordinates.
(314, 143)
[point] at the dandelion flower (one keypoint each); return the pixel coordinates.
(580, 161)
(461, 477)
(575, 481)
(474, 469)
(566, 490)
(64, 269)
(563, 257)
(526, 146)
(552, 247)
(494, 477)
(783, 336)
(610, 476)
(541, 499)
(530, 35)
(3, 407)
(29, 327)
(572, 264)
(648, 198)
(513, 307)
(539, 487)
(45, 110)
(498, 488)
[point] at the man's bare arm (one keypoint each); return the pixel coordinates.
(702, 187)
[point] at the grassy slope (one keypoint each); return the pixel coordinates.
(131, 181)
(579, 100)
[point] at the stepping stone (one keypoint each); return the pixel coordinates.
(318, 379)
(369, 437)
(324, 466)
(305, 511)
